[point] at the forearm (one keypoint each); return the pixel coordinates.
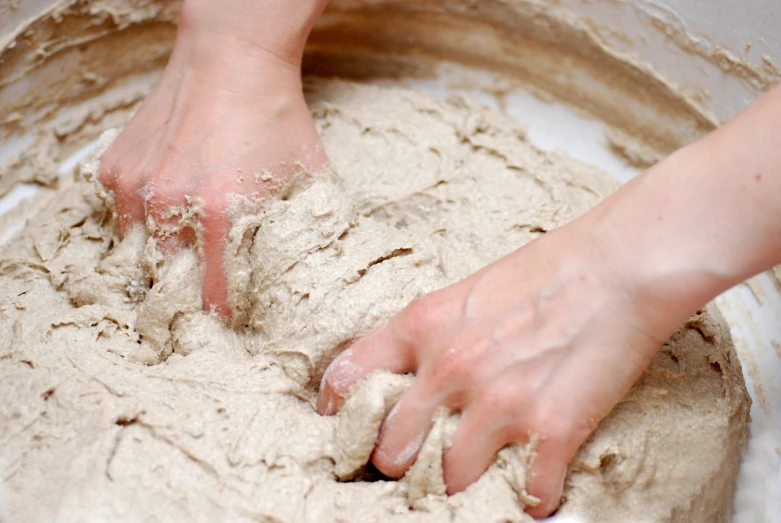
(246, 52)
(704, 219)
(277, 30)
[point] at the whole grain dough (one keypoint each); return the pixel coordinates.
(121, 401)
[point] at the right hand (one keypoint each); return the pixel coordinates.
(541, 343)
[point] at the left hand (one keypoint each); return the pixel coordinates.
(228, 119)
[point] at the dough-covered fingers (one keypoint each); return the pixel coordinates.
(505, 413)
(135, 156)
(215, 225)
(475, 443)
(448, 372)
(404, 430)
(496, 415)
(545, 480)
(166, 208)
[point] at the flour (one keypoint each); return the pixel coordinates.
(121, 400)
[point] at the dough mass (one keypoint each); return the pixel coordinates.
(121, 401)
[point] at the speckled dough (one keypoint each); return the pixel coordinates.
(121, 401)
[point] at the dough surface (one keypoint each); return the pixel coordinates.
(121, 401)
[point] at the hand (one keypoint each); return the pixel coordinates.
(543, 342)
(227, 118)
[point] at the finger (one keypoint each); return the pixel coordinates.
(383, 349)
(545, 481)
(504, 411)
(475, 444)
(165, 196)
(559, 428)
(479, 437)
(404, 431)
(215, 226)
(562, 423)
(126, 187)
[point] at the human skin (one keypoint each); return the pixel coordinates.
(543, 342)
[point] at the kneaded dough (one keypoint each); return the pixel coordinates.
(121, 401)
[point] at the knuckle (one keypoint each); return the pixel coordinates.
(212, 202)
(213, 207)
(502, 399)
(166, 184)
(421, 318)
(107, 174)
(125, 188)
(124, 185)
(109, 170)
(113, 178)
(456, 367)
(549, 422)
(413, 319)
(160, 196)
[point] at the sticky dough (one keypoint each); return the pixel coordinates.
(120, 400)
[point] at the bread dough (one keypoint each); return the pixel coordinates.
(120, 400)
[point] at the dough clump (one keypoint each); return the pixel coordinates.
(121, 400)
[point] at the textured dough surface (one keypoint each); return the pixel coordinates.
(120, 400)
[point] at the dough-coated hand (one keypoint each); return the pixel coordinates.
(227, 118)
(543, 342)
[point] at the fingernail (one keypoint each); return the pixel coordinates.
(326, 409)
(411, 450)
(322, 407)
(343, 373)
